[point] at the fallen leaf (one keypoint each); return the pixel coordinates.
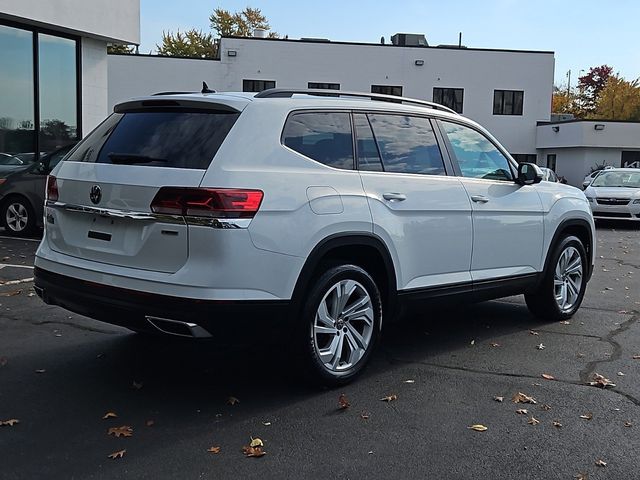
(601, 381)
(533, 332)
(522, 398)
(266, 424)
(635, 357)
(150, 423)
(136, 385)
(620, 374)
(547, 376)
(522, 411)
(389, 398)
(409, 381)
(214, 450)
(5, 360)
(545, 407)
(343, 402)
(557, 424)
(40, 370)
(478, 428)
(118, 454)
(123, 431)
(256, 442)
(498, 399)
(533, 421)
(9, 423)
(232, 401)
(254, 449)
(628, 424)
(587, 416)
(494, 344)
(473, 342)
(624, 312)
(364, 415)
(109, 415)
(601, 463)
(580, 355)
(536, 384)
(565, 322)
(541, 346)
(11, 294)
(582, 476)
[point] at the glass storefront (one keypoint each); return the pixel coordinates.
(38, 94)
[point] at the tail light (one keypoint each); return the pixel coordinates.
(207, 202)
(52, 189)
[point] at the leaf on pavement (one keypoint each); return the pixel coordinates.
(547, 376)
(601, 463)
(11, 294)
(109, 415)
(635, 357)
(540, 346)
(587, 416)
(565, 322)
(499, 399)
(494, 344)
(40, 370)
(533, 332)
(256, 442)
(9, 423)
(409, 381)
(364, 415)
(628, 424)
(478, 428)
(214, 450)
(601, 381)
(118, 454)
(343, 402)
(533, 421)
(232, 401)
(582, 476)
(546, 407)
(557, 424)
(522, 411)
(123, 431)
(522, 398)
(254, 449)
(389, 398)
(620, 374)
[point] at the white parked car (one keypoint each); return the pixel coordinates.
(615, 194)
(312, 216)
(589, 178)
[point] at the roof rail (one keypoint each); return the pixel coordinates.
(288, 93)
(170, 93)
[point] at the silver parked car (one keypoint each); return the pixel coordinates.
(615, 194)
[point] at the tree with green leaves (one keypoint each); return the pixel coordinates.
(119, 49)
(195, 43)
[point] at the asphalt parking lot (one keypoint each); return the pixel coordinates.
(61, 373)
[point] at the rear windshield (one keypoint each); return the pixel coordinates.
(178, 139)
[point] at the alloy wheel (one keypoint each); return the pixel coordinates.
(568, 278)
(17, 217)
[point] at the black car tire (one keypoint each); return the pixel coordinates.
(20, 210)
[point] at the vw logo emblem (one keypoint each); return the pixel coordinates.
(95, 195)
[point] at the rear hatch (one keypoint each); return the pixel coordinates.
(99, 202)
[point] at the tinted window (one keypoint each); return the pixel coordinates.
(395, 90)
(476, 155)
(323, 136)
(257, 85)
(366, 148)
(157, 139)
(508, 102)
(449, 97)
(407, 144)
(323, 85)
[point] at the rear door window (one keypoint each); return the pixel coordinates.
(407, 144)
(368, 155)
(178, 139)
(322, 136)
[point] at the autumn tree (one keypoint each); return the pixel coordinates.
(121, 49)
(195, 43)
(564, 101)
(619, 100)
(591, 85)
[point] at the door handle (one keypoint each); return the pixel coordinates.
(394, 197)
(479, 198)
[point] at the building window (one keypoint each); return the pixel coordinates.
(508, 102)
(524, 157)
(449, 97)
(257, 85)
(323, 86)
(551, 161)
(39, 108)
(630, 159)
(395, 90)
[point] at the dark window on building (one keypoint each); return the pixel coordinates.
(551, 161)
(449, 97)
(324, 86)
(395, 90)
(39, 108)
(508, 102)
(257, 85)
(407, 144)
(475, 154)
(524, 157)
(366, 148)
(630, 159)
(323, 136)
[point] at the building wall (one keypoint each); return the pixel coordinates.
(116, 20)
(575, 163)
(623, 135)
(356, 67)
(137, 75)
(94, 83)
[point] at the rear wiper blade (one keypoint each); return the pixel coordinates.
(131, 158)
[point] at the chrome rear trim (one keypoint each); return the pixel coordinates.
(165, 325)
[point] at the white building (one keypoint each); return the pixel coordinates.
(507, 91)
(576, 147)
(53, 68)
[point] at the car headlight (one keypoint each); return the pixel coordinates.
(636, 201)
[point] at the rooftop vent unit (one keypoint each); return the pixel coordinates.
(314, 39)
(409, 40)
(451, 45)
(260, 32)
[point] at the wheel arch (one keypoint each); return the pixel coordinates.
(363, 249)
(579, 228)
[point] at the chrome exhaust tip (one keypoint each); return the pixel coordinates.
(177, 327)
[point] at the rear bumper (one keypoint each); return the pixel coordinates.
(143, 311)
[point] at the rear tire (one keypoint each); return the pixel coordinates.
(340, 325)
(564, 282)
(17, 216)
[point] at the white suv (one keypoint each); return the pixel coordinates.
(196, 214)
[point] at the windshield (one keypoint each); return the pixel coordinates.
(617, 179)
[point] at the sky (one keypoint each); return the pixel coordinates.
(582, 34)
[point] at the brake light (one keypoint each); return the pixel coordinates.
(52, 189)
(207, 202)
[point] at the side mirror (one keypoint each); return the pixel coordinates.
(528, 174)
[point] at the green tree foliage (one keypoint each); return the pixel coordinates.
(192, 43)
(122, 49)
(239, 24)
(619, 100)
